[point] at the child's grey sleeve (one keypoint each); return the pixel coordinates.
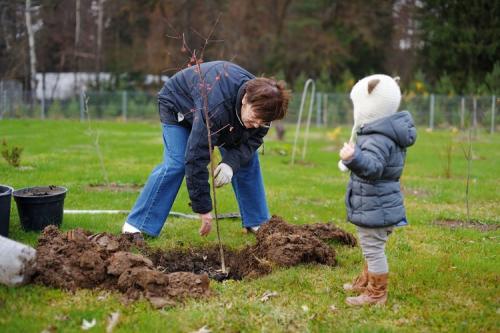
(370, 159)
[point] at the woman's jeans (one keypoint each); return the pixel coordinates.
(157, 197)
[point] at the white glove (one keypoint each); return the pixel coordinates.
(223, 175)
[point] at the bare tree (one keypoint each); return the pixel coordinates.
(100, 17)
(77, 42)
(204, 94)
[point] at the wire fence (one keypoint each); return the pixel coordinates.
(327, 110)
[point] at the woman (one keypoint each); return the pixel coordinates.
(240, 109)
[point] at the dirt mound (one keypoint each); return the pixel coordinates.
(77, 259)
(279, 244)
(323, 231)
(329, 232)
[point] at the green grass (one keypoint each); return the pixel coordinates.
(441, 279)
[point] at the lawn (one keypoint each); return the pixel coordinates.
(442, 279)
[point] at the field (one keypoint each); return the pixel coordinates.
(442, 278)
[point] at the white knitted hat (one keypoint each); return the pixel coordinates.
(373, 97)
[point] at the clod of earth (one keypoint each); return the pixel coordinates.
(77, 259)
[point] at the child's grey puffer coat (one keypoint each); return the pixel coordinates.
(374, 197)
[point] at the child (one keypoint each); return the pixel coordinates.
(375, 155)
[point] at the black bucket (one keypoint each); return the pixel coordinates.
(5, 195)
(40, 206)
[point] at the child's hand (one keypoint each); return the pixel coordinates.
(347, 152)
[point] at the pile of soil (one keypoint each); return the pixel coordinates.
(77, 259)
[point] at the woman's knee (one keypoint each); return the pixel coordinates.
(174, 165)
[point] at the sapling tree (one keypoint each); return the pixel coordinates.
(204, 89)
(95, 135)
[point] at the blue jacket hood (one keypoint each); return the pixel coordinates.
(399, 127)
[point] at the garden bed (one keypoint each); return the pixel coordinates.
(77, 259)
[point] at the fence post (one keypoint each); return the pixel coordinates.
(124, 105)
(325, 109)
(462, 112)
(4, 104)
(474, 115)
(493, 105)
(82, 105)
(318, 109)
(42, 104)
(431, 111)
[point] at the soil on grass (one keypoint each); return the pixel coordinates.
(41, 191)
(454, 224)
(77, 259)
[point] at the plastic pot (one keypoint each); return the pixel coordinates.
(40, 206)
(5, 197)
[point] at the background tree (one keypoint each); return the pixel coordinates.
(460, 39)
(451, 43)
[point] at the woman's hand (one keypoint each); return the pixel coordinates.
(206, 223)
(223, 175)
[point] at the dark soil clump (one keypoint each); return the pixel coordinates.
(77, 259)
(41, 191)
(279, 244)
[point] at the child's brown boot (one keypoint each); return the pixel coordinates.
(375, 293)
(360, 282)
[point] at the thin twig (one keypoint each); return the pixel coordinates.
(96, 141)
(209, 36)
(202, 37)
(220, 129)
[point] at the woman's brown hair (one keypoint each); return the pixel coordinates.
(268, 98)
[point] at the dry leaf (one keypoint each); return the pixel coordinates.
(402, 321)
(102, 296)
(268, 294)
(86, 325)
(333, 308)
(61, 317)
(113, 319)
(50, 329)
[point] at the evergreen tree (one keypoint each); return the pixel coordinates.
(460, 39)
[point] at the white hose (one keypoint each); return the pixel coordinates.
(110, 211)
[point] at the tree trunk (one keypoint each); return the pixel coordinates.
(77, 42)
(100, 16)
(31, 44)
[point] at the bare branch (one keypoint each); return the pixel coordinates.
(210, 35)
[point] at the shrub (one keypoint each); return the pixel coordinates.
(12, 156)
